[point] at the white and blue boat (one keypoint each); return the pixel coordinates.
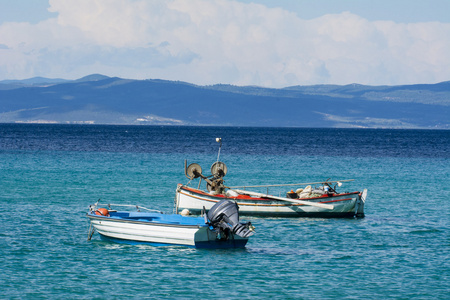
(219, 228)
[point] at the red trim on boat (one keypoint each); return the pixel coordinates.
(246, 197)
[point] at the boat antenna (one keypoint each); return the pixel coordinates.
(219, 140)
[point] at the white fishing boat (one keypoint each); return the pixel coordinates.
(316, 199)
(219, 228)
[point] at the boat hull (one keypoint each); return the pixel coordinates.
(161, 234)
(347, 205)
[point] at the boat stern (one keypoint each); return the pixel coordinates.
(207, 238)
(359, 205)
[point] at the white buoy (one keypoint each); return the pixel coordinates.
(185, 212)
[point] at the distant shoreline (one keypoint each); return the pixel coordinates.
(208, 126)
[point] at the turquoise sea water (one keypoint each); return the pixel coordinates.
(49, 174)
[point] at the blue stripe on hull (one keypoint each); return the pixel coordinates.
(203, 245)
(221, 244)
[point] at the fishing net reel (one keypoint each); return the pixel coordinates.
(214, 182)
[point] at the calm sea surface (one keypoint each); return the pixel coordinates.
(49, 174)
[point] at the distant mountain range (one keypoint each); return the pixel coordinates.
(98, 99)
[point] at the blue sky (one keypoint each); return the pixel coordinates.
(261, 42)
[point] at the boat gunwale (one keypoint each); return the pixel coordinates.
(239, 200)
(143, 222)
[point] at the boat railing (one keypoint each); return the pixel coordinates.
(288, 184)
(267, 186)
(135, 206)
(94, 206)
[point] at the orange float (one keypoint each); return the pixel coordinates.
(102, 212)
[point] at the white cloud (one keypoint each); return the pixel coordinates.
(207, 42)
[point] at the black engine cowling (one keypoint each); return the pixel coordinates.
(225, 216)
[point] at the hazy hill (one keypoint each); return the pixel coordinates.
(99, 99)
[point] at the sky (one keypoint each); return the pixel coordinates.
(244, 42)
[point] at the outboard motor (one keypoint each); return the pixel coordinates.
(224, 216)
